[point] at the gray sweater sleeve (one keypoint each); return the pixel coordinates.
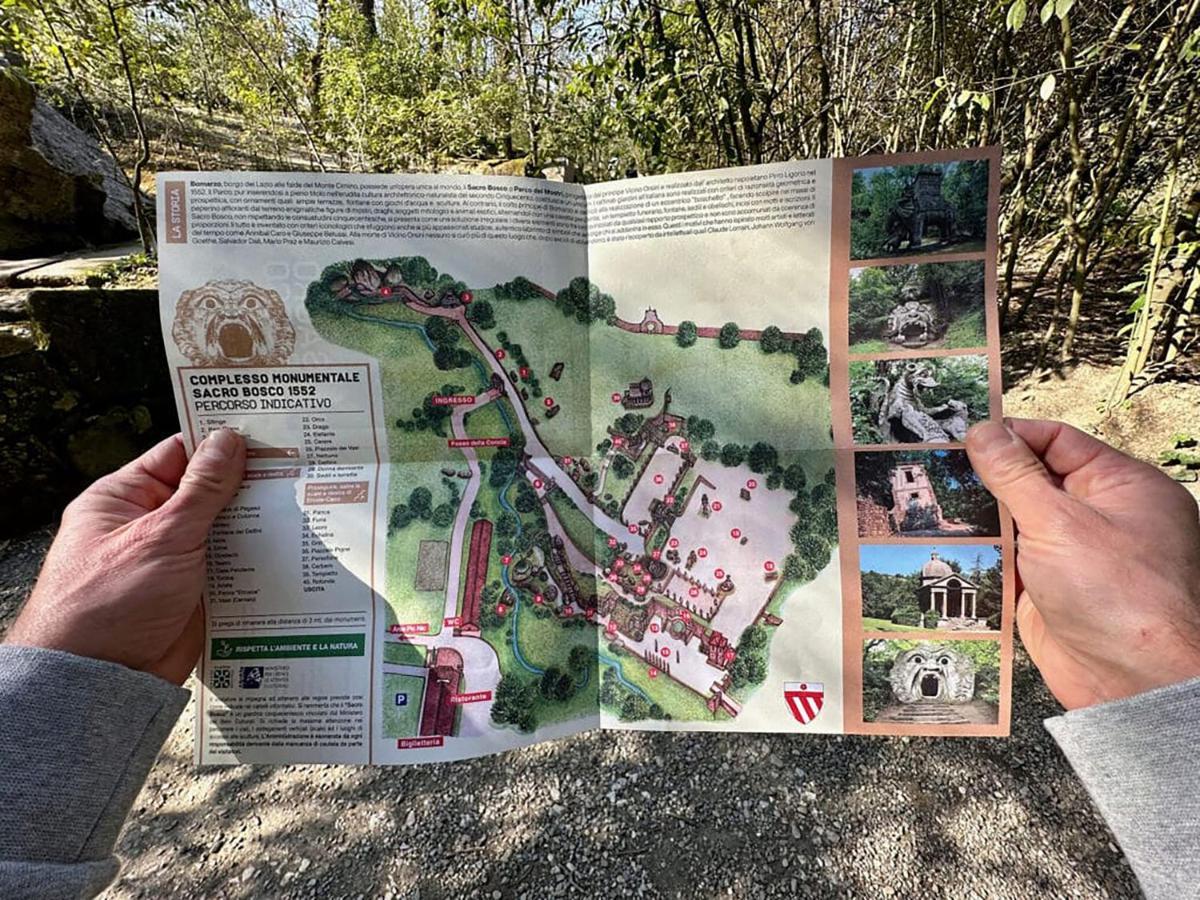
(77, 739)
(1137, 758)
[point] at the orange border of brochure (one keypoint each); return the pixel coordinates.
(853, 635)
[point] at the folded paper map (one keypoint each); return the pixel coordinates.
(528, 458)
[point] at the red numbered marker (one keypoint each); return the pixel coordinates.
(612, 576)
(673, 543)
(537, 483)
(683, 445)
(466, 296)
(751, 483)
(672, 425)
(735, 533)
(567, 460)
(610, 628)
(716, 506)
(719, 573)
(654, 627)
(506, 559)
(500, 354)
(539, 599)
(618, 441)
(548, 402)
(385, 291)
(769, 566)
(665, 651)
(501, 608)
(633, 529)
(702, 552)
(652, 673)
(646, 579)
(729, 655)
(641, 589)
(618, 564)
(685, 615)
(669, 499)
(658, 479)
(589, 614)
(524, 371)
(616, 398)
(655, 554)
(568, 612)
(694, 592)
(637, 567)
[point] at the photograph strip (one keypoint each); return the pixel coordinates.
(926, 552)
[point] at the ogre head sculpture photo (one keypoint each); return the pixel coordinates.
(933, 673)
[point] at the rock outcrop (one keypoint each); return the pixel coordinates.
(58, 188)
(84, 388)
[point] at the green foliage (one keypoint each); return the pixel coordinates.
(527, 498)
(798, 568)
(520, 288)
(622, 466)
(443, 515)
(749, 667)
(556, 684)
(729, 336)
(699, 429)
(634, 707)
(794, 477)
(811, 357)
(907, 613)
(630, 423)
(733, 455)
(814, 550)
(420, 506)
(481, 313)
(762, 457)
(772, 340)
(513, 703)
(686, 335)
(622, 88)
(585, 302)
(580, 658)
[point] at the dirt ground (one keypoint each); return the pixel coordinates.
(1142, 428)
(626, 815)
(655, 815)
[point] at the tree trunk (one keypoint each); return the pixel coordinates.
(145, 231)
(316, 64)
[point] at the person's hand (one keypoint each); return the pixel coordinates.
(1108, 556)
(124, 577)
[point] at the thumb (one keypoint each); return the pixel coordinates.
(213, 476)
(1013, 473)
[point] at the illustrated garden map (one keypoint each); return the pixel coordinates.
(527, 458)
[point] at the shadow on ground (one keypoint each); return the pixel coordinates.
(628, 814)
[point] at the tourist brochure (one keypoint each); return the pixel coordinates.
(526, 458)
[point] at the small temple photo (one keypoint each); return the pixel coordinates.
(953, 587)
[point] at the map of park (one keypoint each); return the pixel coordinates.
(584, 512)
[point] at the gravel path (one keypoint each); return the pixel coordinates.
(627, 815)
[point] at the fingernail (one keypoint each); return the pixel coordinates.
(987, 436)
(222, 444)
